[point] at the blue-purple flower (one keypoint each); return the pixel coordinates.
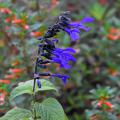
(73, 33)
(63, 56)
(38, 83)
(62, 77)
(73, 28)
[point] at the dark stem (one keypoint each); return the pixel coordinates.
(36, 64)
(35, 73)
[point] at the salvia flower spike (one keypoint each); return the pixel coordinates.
(52, 54)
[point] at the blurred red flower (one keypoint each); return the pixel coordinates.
(16, 70)
(4, 81)
(54, 3)
(102, 2)
(106, 103)
(2, 96)
(17, 21)
(11, 76)
(8, 19)
(36, 34)
(26, 26)
(113, 72)
(5, 10)
(15, 63)
(114, 34)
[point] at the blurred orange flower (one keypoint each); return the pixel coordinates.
(5, 10)
(113, 72)
(14, 20)
(16, 70)
(2, 96)
(106, 103)
(17, 21)
(54, 3)
(11, 76)
(8, 19)
(4, 81)
(26, 26)
(15, 63)
(20, 22)
(36, 34)
(114, 34)
(15, 73)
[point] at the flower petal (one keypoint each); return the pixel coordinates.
(62, 77)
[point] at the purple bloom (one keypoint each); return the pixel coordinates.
(62, 77)
(38, 83)
(87, 19)
(63, 56)
(74, 33)
(48, 52)
(73, 28)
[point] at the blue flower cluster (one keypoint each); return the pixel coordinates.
(73, 28)
(63, 56)
(52, 54)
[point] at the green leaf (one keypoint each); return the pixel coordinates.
(27, 88)
(97, 11)
(50, 109)
(17, 114)
(66, 118)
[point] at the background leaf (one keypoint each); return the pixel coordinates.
(97, 11)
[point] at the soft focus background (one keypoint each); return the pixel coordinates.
(94, 79)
